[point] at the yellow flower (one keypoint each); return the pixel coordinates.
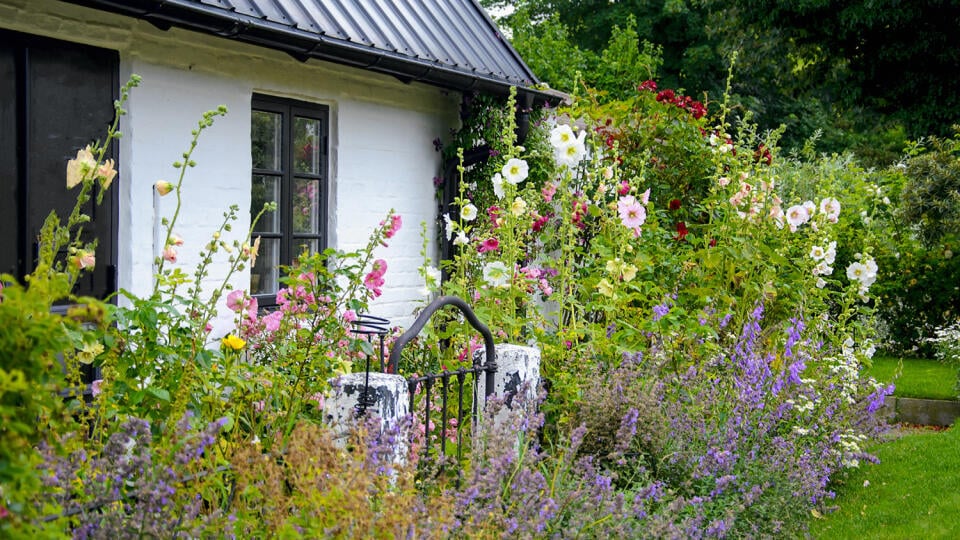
(78, 169)
(605, 288)
(628, 272)
(233, 342)
(89, 352)
(518, 207)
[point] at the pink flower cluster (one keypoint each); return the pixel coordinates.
(538, 276)
(373, 281)
(395, 223)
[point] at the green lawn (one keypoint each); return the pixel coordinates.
(913, 493)
(919, 378)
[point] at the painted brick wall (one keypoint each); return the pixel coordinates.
(380, 141)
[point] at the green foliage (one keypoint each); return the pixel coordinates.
(930, 199)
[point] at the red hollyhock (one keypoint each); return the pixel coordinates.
(681, 231)
(674, 204)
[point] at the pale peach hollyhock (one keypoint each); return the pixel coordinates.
(251, 252)
(78, 168)
(84, 259)
(163, 187)
(106, 173)
(170, 254)
(176, 240)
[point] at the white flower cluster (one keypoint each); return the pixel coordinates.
(863, 271)
(568, 149)
(824, 257)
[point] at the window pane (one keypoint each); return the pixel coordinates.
(264, 275)
(306, 145)
(265, 189)
(302, 244)
(306, 206)
(266, 141)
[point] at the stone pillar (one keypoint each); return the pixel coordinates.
(516, 365)
(388, 400)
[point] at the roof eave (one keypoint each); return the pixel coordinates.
(304, 45)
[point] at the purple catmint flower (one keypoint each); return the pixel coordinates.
(660, 311)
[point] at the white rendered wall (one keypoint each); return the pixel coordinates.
(381, 154)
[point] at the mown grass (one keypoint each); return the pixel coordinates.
(919, 378)
(913, 493)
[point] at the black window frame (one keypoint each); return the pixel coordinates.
(289, 109)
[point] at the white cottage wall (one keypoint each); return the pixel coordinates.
(381, 154)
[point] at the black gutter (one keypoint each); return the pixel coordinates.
(305, 45)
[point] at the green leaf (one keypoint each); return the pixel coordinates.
(159, 393)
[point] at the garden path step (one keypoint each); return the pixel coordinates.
(928, 412)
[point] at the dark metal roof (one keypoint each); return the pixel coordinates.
(448, 43)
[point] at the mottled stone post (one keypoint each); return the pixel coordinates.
(387, 399)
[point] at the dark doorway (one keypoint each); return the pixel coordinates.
(55, 98)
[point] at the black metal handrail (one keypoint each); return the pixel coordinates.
(490, 364)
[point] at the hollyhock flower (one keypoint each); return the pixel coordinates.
(674, 204)
(176, 240)
(518, 207)
(432, 277)
(821, 283)
(572, 154)
(540, 222)
(163, 187)
(85, 259)
(681, 231)
(831, 208)
(817, 253)
(545, 287)
(490, 244)
(605, 288)
(106, 173)
(624, 188)
(797, 215)
(96, 387)
(632, 213)
(496, 274)
(810, 208)
(349, 316)
(170, 254)
(236, 300)
(562, 136)
(608, 174)
(831, 254)
(395, 223)
(448, 226)
(251, 252)
(498, 185)
(548, 191)
(79, 168)
(645, 197)
(515, 171)
(461, 239)
(468, 212)
(271, 323)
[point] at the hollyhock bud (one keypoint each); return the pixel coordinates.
(163, 187)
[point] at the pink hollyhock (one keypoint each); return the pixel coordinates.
(235, 300)
(271, 323)
(494, 213)
(548, 191)
(645, 197)
(395, 223)
(490, 244)
(632, 213)
(170, 254)
(349, 316)
(624, 188)
(540, 222)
